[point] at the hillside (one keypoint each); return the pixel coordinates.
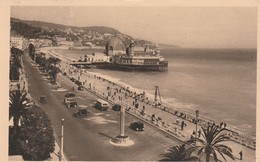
(97, 35)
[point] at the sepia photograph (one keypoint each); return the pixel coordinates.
(132, 83)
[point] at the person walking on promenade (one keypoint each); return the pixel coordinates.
(241, 155)
(177, 121)
(199, 133)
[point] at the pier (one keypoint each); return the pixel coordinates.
(163, 66)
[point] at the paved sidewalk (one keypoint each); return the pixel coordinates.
(55, 154)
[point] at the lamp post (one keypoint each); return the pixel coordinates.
(34, 58)
(60, 79)
(196, 135)
(61, 140)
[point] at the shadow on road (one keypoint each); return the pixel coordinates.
(103, 134)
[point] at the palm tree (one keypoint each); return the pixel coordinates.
(179, 153)
(17, 108)
(212, 143)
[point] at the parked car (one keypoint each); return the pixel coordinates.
(81, 113)
(70, 102)
(137, 126)
(43, 99)
(69, 95)
(79, 83)
(73, 79)
(80, 88)
(102, 105)
(116, 107)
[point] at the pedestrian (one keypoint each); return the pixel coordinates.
(199, 133)
(221, 124)
(191, 137)
(241, 155)
(177, 121)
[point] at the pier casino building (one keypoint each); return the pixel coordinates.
(121, 55)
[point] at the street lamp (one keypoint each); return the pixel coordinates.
(61, 140)
(34, 58)
(197, 115)
(60, 79)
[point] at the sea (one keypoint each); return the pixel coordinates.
(220, 83)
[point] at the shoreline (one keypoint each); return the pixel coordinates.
(168, 107)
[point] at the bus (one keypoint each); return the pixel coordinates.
(102, 105)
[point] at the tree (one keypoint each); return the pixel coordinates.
(212, 143)
(52, 63)
(31, 50)
(53, 73)
(14, 72)
(37, 135)
(179, 153)
(18, 106)
(42, 61)
(17, 110)
(15, 63)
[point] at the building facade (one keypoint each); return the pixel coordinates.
(17, 42)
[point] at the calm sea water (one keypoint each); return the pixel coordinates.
(221, 83)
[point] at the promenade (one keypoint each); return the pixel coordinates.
(143, 107)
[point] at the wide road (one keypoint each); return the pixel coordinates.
(88, 139)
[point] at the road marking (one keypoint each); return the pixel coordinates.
(99, 113)
(100, 120)
(60, 90)
(83, 106)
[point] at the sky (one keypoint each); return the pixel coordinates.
(191, 27)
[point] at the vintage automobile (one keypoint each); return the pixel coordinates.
(81, 113)
(79, 83)
(80, 88)
(102, 105)
(137, 126)
(70, 94)
(116, 107)
(43, 99)
(70, 100)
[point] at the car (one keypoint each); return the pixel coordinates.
(137, 126)
(116, 107)
(80, 88)
(102, 105)
(69, 95)
(70, 102)
(81, 113)
(43, 99)
(79, 83)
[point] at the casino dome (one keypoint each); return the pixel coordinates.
(115, 44)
